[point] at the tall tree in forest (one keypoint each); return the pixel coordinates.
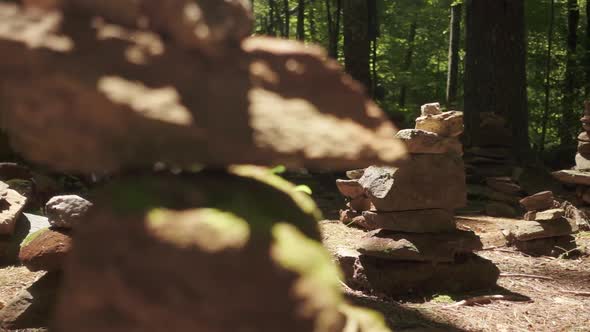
(287, 26)
(408, 61)
(334, 17)
(301, 20)
(587, 55)
(357, 46)
(495, 69)
(547, 75)
(569, 117)
(454, 44)
(373, 32)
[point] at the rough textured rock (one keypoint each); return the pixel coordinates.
(67, 211)
(424, 182)
(166, 109)
(430, 109)
(503, 185)
(547, 215)
(360, 204)
(433, 247)
(420, 141)
(577, 216)
(11, 205)
(32, 307)
(531, 230)
(45, 250)
(539, 201)
(350, 188)
(274, 250)
(355, 174)
(468, 273)
(553, 246)
(500, 209)
(448, 124)
(582, 163)
(419, 221)
(573, 177)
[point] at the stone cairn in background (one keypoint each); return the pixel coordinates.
(228, 248)
(547, 226)
(492, 175)
(413, 244)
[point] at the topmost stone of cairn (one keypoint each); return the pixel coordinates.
(431, 109)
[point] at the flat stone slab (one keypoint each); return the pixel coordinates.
(448, 124)
(544, 216)
(421, 141)
(531, 230)
(582, 163)
(429, 247)
(479, 191)
(419, 221)
(423, 182)
(467, 273)
(572, 177)
(539, 201)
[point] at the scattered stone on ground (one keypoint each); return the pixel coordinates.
(539, 201)
(46, 249)
(11, 205)
(66, 211)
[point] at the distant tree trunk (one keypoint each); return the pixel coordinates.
(287, 27)
(301, 20)
(272, 13)
(313, 31)
(333, 26)
(569, 120)
(408, 62)
(495, 69)
(454, 44)
(373, 34)
(357, 47)
(587, 57)
(548, 75)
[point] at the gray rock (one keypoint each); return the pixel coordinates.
(66, 211)
(420, 141)
(448, 124)
(538, 202)
(547, 215)
(355, 174)
(430, 109)
(11, 205)
(419, 221)
(423, 182)
(531, 230)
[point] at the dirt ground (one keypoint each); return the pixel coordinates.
(553, 294)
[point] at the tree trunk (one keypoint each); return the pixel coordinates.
(587, 55)
(333, 27)
(313, 31)
(454, 44)
(357, 47)
(301, 20)
(287, 27)
(569, 120)
(272, 13)
(495, 69)
(407, 63)
(548, 75)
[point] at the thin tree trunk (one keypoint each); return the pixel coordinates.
(333, 27)
(357, 47)
(587, 57)
(408, 62)
(454, 44)
(495, 70)
(301, 20)
(313, 31)
(569, 120)
(547, 76)
(373, 34)
(287, 27)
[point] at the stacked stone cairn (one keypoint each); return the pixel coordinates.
(492, 175)
(547, 227)
(579, 176)
(413, 244)
(182, 248)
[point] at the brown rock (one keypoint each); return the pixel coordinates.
(572, 177)
(467, 273)
(531, 230)
(45, 250)
(9, 171)
(11, 205)
(33, 307)
(347, 216)
(584, 149)
(582, 164)
(539, 201)
(360, 204)
(585, 119)
(448, 124)
(503, 185)
(433, 247)
(350, 188)
(419, 221)
(420, 141)
(584, 137)
(339, 128)
(549, 215)
(553, 246)
(500, 209)
(430, 109)
(424, 182)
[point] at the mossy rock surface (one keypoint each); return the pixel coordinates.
(210, 251)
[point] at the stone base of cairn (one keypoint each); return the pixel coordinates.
(413, 244)
(547, 227)
(579, 176)
(492, 176)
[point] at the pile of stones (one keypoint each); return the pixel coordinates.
(492, 175)
(413, 244)
(547, 226)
